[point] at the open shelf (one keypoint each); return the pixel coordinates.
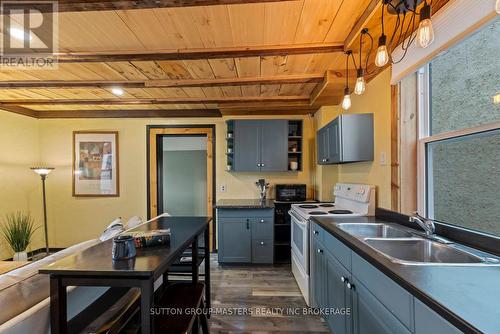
(295, 142)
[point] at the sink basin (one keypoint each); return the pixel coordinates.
(373, 230)
(422, 251)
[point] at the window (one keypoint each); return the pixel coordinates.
(459, 147)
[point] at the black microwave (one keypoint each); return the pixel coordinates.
(291, 192)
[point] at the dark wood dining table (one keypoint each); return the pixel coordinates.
(94, 266)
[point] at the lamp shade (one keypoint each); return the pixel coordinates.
(42, 170)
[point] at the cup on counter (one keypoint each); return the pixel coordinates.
(230, 135)
(229, 150)
(294, 165)
(123, 247)
(229, 168)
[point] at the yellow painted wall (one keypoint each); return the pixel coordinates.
(25, 141)
(76, 219)
(376, 100)
(20, 188)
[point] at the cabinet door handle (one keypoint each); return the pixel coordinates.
(258, 165)
(315, 232)
(262, 243)
(320, 251)
(343, 279)
(261, 165)
(262, 221)
(350, 286)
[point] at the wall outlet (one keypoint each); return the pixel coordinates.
(383, 159)
(223, 188)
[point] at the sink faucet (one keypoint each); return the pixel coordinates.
(425, 223)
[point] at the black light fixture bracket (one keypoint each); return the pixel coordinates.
(396, 7)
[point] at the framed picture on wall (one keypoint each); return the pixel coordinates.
(95, 164)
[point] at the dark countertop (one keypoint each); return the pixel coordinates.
(466, 296)
(244, 204)
(149, 262)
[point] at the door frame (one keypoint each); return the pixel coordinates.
(153, 132)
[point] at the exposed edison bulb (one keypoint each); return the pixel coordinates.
(382, 56)
(497, 6)
(425, 32)
(360, 85)
(346, 102)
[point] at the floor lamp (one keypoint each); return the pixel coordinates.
(43, 172)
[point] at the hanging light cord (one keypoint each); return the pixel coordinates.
(347, 70)
(383, 4)
(353, 60)
(369, 52)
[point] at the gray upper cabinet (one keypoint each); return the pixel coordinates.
(348, 138)
(260, 146)
(247, 142)
(274, 146)
(322, 144)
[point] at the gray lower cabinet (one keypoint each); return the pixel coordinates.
(260, 145)
(235, 237)
(428, 321)
(338, 295)
(245, 235)
(378, 305)
(369, 315)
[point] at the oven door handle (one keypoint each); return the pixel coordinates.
(296, 217)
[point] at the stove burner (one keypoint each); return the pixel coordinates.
(327, 205)
(317, 213)
(340, 212)
(308, 206)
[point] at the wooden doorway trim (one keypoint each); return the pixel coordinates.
(153, 133)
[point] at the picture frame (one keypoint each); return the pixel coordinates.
(96, 164)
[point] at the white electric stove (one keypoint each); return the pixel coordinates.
(351, 200)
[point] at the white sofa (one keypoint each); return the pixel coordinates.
(24, 295)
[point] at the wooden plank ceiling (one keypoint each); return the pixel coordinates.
(193, 56)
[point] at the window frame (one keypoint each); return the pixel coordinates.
(424, 137)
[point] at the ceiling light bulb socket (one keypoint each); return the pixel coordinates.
(360, 73)
(346, 91)
(382, 40)
(364, 31)
(425, 12)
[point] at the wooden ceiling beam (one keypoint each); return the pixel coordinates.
(280, 80)
(99, 5)
(135, 113)
(19, 110)
(201, 53)
(267, 112)
(175, 100)
(361, 23)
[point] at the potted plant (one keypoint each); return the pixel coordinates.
(18, 229)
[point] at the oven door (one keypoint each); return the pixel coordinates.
(300, 241)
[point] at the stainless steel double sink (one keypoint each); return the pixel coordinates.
(410, 248)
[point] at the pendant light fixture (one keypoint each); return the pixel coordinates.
(497, 6)
(346, 102)
(382, 56)
(425, 32)
(360, 86)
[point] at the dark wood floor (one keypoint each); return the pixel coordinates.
(259, 289)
